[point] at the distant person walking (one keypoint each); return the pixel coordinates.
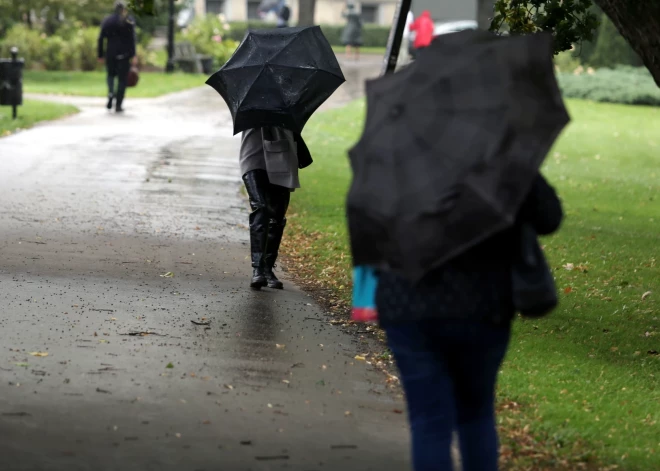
(283, 16)
(423, 28)
(351, 37)
(118, 30)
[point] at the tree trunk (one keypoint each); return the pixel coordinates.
(306, 10)
(639, 22)
(485, 9)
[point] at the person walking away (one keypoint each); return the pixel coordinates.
(118, 31)
(351, 37)
(283, 16)
(449, 334)
(269, 160)
(423, 28)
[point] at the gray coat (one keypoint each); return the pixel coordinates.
(272, 149)
(352, 34)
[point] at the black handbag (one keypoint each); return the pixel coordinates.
(534, 290)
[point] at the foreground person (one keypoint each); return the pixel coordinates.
(449, 335)
(269, 159)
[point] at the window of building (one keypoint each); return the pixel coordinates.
(215, 7)
(370, 13)
(253, 9)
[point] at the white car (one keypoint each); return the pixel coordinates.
(453, 27)
(445, 28)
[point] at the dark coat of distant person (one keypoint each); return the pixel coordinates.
(120, 35)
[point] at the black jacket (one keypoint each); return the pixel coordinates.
(476, 285)
(120, 34)
(304, 156)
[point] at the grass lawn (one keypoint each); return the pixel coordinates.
(380, 51)
(584, 382)
(31, 113)
(93, 83)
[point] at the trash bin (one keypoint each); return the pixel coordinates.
(207, 65)
(11, 81)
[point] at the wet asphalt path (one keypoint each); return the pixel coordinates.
(94, 210)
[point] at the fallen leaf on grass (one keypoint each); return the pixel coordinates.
(39, 354)
(169, 274)
(653, 352)
(569, 266)
(568, 290)
(646, 295)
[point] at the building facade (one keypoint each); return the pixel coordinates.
(377, 12)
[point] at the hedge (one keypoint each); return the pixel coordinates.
(372, 36)
(627, 85)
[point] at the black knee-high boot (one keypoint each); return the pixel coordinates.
(275, 233)
(256, 184)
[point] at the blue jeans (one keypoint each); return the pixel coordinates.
(448, 370)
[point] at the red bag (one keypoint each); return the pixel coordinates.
(133, 77)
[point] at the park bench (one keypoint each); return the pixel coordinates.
(186, 57)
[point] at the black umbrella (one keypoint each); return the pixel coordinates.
(446, 161)
(278, 77)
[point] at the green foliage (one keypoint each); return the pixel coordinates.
(209, 35)
(53, 53)
(626, 85)
(87, 40)
(74, 49)
(28, 42)
(372, 36)
(569, 21)
(612, 49)
(565, 61)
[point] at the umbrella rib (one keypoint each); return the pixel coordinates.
(251, 85)
(297, 67)
(288, 43)
(279, 89)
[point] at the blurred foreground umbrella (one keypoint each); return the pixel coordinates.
(278, 77)
(450, 149)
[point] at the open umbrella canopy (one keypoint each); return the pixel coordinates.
(450, 149)
(278, 77)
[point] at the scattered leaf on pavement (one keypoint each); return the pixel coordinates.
(169, 365)
(169, 274)
(39, 354)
